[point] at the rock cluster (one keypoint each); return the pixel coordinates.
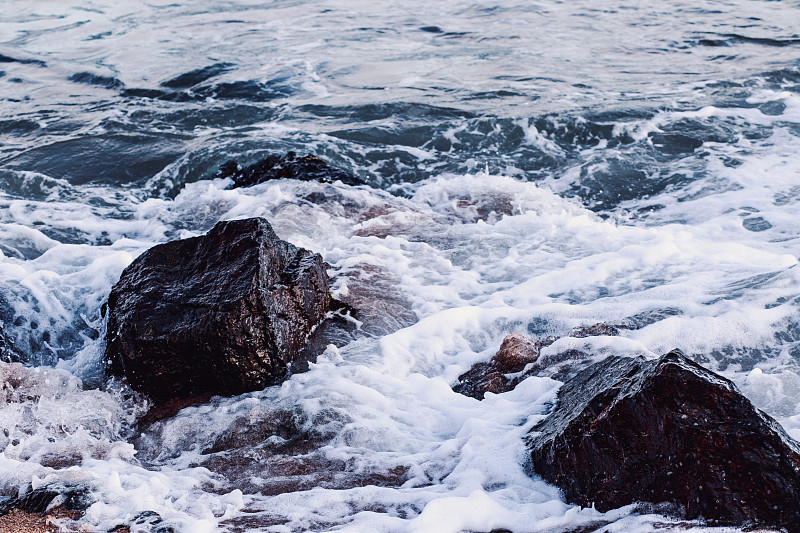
(515, 353)
(223, 313)
(668, 431)
(518, 358)
(238, 309)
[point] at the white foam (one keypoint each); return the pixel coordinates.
(471, 274)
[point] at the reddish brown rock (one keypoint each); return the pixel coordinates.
(504, 371)
(515, 353)
(668, 432)
(224, 313)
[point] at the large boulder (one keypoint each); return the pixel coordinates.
(289, 166)
(224, 313)
(668, 431)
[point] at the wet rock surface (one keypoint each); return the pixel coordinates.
(57, 520)
(515, 353)
(341, 326)
(289, 166)
(40, 500)
(5, 342)
(519, 358)
(269, 450)
(224, 313)
(145, 521)
(379, 306)
(668, 431)
(285, 463)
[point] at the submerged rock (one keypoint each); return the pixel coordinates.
(17, 521)
(515, 353)
(518, 358)
(224, 313)
(149, 521)
(668, 431)
(266, 448)
(289, 166)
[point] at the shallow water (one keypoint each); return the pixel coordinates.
(530, 167)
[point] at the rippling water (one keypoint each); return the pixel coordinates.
(532, 167)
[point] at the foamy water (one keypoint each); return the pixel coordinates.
(531, 168)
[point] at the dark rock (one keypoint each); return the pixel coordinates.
(756, 224)
(5, 343)
(515, 353)
(561, 366)
(192, 78)
(8, 352)
(145, 521)
(289, 166)
(646, 318)
(518, 358)
(224, 313)
(670, 432)
(38, 501)
(595, 330)
(170, 408)
(294, 432)
(339, 328)
(268, 450)
(381, 307)
(95, 79)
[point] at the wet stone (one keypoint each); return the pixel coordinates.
(289, 166)
(519, 358)
(39, 500)
(270, 451)
(515, 353)
(145, 521)
(671, 433)
(756, 224)
(5, 343)
(224, 313)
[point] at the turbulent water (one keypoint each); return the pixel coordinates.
(532, 167)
